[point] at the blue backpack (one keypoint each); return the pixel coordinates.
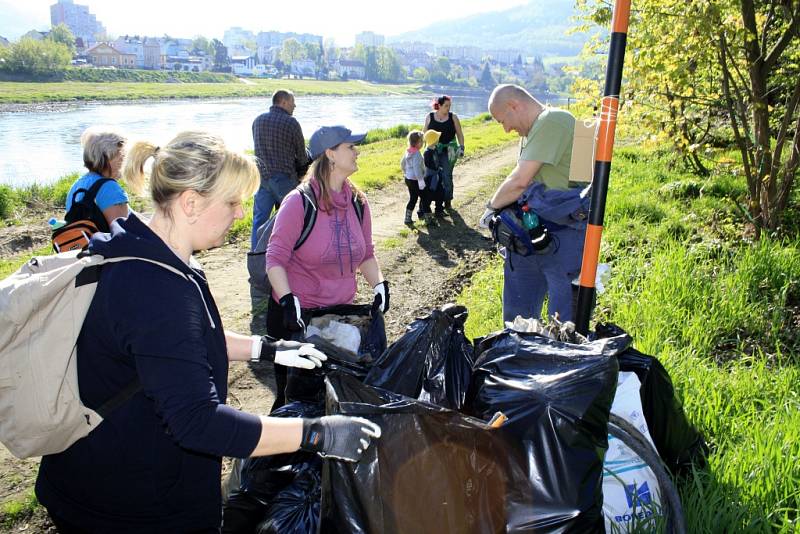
(257, 258)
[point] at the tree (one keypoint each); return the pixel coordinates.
(60, 33)
(221, 61)
(737, 71)
(36, 57)
(487, 80)
(202, 46)
(421, 74)
(367, 55)
(292, 50)
(443, 65)
(389, 67)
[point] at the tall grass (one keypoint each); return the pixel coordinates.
(721, 313)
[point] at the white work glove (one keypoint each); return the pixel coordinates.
(339, 437)
(486, 217)
(421, 183)
(460, 153)
(381, 292)
(288, 353)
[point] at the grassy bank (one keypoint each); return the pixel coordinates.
(723, 315)
(36, 93)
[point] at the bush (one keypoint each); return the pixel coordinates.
(6, 201)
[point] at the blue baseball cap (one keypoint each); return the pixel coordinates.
(329, 136)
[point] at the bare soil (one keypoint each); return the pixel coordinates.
(426, 266)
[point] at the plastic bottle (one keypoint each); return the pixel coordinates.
(55, 224)
(529, 219)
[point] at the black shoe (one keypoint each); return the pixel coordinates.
(440, 214)
(448, 205)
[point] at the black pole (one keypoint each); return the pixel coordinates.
(602, 165)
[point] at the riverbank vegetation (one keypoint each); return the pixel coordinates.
(720, 311)
(32, 93)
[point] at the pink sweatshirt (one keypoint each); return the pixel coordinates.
(322, 272)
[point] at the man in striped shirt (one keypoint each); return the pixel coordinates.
(280, 154)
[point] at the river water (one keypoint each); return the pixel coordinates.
(38, 147)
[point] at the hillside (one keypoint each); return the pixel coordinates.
(538, 28)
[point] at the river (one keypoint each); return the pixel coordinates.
(38, 147)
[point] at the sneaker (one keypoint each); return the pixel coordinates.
(430, 220)
(440, 214)
(448, 205)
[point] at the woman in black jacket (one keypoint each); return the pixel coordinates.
(154, 464)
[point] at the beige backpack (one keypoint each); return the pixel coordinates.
(42, 308)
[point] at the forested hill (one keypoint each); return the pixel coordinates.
(538, 27)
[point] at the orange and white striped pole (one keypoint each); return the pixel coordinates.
(602, 163)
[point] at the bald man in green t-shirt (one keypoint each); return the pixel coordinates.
(545, 152)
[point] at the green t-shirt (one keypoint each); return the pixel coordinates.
(550, 141)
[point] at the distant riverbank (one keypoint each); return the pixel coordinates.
(29, 96)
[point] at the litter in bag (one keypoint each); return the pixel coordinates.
(631, 492)
(295, 510)
(307, 385)
(678, 442)
(433, 470)
(557, 398)
(432, 361)
(262, 479)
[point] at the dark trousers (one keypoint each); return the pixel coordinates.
(414, 194)
(275, 329)
(428, 196)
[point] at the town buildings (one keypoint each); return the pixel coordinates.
(78, 19)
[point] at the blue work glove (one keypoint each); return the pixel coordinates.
(292, 320)
(340, 437)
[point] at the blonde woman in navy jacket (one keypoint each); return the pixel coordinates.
(154, 465)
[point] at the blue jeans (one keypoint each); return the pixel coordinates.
(528, 278)
(269, 196)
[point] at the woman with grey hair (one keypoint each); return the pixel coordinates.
(103, 152)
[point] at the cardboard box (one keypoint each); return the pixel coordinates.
(581, 165)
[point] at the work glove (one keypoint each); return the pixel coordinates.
(486, 217)
(381, 300)
(460, 153)
(288, 353)
(292, 320)
(339, 437)
(421, 183)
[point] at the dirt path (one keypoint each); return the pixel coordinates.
(426, 267)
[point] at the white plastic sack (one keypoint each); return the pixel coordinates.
(345, 336)
(630, 489)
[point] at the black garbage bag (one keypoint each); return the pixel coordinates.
(308, 385)
(433, 470)
(295, 510)
(679, 443)
(432, 361)
(557, 397)
(262, 478)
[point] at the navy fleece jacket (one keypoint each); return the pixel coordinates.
(154, 465)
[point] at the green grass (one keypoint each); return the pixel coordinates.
(722, 315)
(26, 93)
(16, 510)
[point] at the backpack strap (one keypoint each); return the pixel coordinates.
(91, 193)
(135, 385)
(358, 205)
(309, 212)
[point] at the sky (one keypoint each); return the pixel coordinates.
(185, 18)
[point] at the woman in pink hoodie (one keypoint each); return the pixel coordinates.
(322, 271)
